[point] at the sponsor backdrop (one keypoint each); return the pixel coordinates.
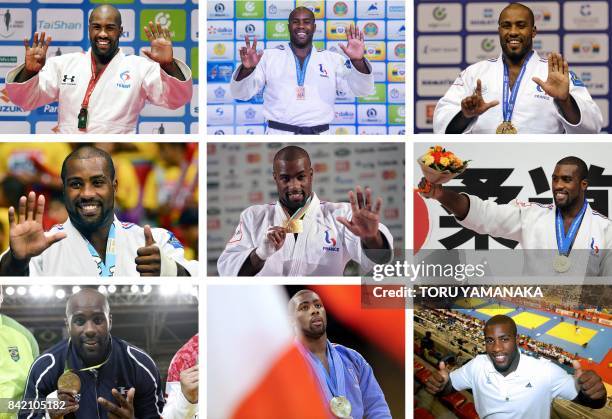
(383, 23)
(503, 173)
(66, 22)
(449, 36)
(240, 175)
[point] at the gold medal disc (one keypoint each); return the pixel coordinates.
(294, 226)
(561, 263)
(69, 381)
(506, 127)
(341, 407)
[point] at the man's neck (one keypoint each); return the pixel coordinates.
(99, 238)
(102, 62)
(301, 53)
(571, 212)
(513, 365)
(515, 64)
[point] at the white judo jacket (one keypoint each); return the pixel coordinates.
(71, 257)
(533, 226)
(128, 82)
(326, 73)
(323, 248)
(534, 112)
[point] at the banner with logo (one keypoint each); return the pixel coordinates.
(451, 35)
(503, 173)
(66, 22)
(240, 175)
(382, 22)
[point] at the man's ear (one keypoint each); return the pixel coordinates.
(110, 322)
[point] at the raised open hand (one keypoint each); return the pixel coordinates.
(355, 47)
(249, 55)
(474, 105)
(36, 55)
(27, 237)
(365, 218)
(557, 83)
(161, 44)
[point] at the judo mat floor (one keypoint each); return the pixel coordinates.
(529, 320)
(567, 331)
(495, 309)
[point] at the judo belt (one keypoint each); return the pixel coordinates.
(299, 130)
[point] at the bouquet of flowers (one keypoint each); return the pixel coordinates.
(440, 166)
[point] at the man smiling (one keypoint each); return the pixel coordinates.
(91, 368)
(92, 242)
(301, 235)
(569, 224)
(512, 385)
(518, 92)
(103, 90)
(300, 81)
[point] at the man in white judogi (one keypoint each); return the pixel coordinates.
(561, 104)
(301, 82)
(569, 224)
(92, 242)
(301, 235)
(102, 90)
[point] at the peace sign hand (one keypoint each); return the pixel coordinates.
(365, 219)
(161, 44)
(36, 55)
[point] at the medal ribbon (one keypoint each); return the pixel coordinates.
(300, 213)
(301, 71)
(92, 84)
(105, 269)
(67, 368)
(508, 102)
(564, 242)
(335, 377)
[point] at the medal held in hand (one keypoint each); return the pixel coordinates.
(69, 381)
(294, 226)
(508, 101)
(340, 407)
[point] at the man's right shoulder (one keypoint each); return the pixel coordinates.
(52, 358)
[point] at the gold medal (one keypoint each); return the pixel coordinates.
(561, 263)
(340, 407)
(69, 381)
(506, 127)
(294, 226)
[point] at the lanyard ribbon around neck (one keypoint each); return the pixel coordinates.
(565, 241)
(105, 269)
(83, 114)
(508, 102)
(301, 70)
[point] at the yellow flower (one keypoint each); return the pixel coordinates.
(444, 161)
(428, 159)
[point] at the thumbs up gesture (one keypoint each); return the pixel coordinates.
(148, 261)
(588, 382)
(438, 379)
